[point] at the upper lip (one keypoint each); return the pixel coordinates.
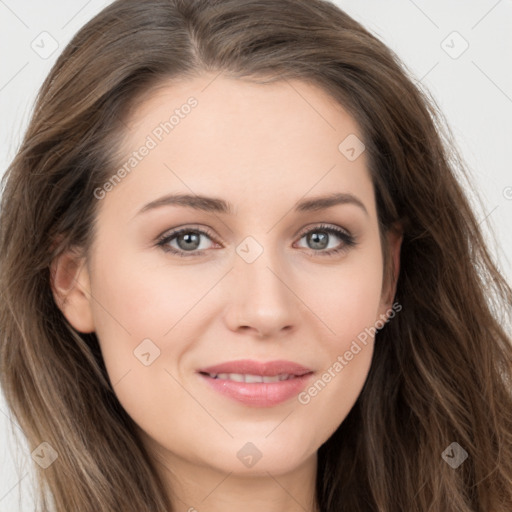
(250, 367)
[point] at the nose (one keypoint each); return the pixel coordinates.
(261, 298)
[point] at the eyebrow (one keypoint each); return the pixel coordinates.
(217, 205)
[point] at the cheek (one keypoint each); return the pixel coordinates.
(346, 297)
(338, 384)
(147, 319)
(134, 308)
(349, 306)
(135, 301)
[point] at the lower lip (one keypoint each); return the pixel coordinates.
(259, 394)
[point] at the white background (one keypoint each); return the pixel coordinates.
(473, 90)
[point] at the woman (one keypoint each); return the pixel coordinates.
(238, 270)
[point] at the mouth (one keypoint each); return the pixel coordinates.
(257, 384)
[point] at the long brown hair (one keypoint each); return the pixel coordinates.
(442, 369)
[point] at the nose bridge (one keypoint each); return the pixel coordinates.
(258, 268)
(260, 297)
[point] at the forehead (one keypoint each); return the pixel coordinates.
(276, 105)
(220, 136)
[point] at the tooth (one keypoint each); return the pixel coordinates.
(237, 377)
(253, 378)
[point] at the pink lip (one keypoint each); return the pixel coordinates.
(258, 394)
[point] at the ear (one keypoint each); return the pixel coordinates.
(394, 237)
(70, 283)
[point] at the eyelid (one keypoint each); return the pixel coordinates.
(320, 227)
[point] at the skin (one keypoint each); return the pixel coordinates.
(262, 148)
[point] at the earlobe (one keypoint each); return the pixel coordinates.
(70, 285)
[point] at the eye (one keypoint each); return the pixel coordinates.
(188, 241)
(184, 240)
(319, 238)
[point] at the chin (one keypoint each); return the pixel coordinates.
(260, 455)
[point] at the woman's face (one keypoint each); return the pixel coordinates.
(262, 271)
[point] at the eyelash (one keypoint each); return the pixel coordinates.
(348, 240)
